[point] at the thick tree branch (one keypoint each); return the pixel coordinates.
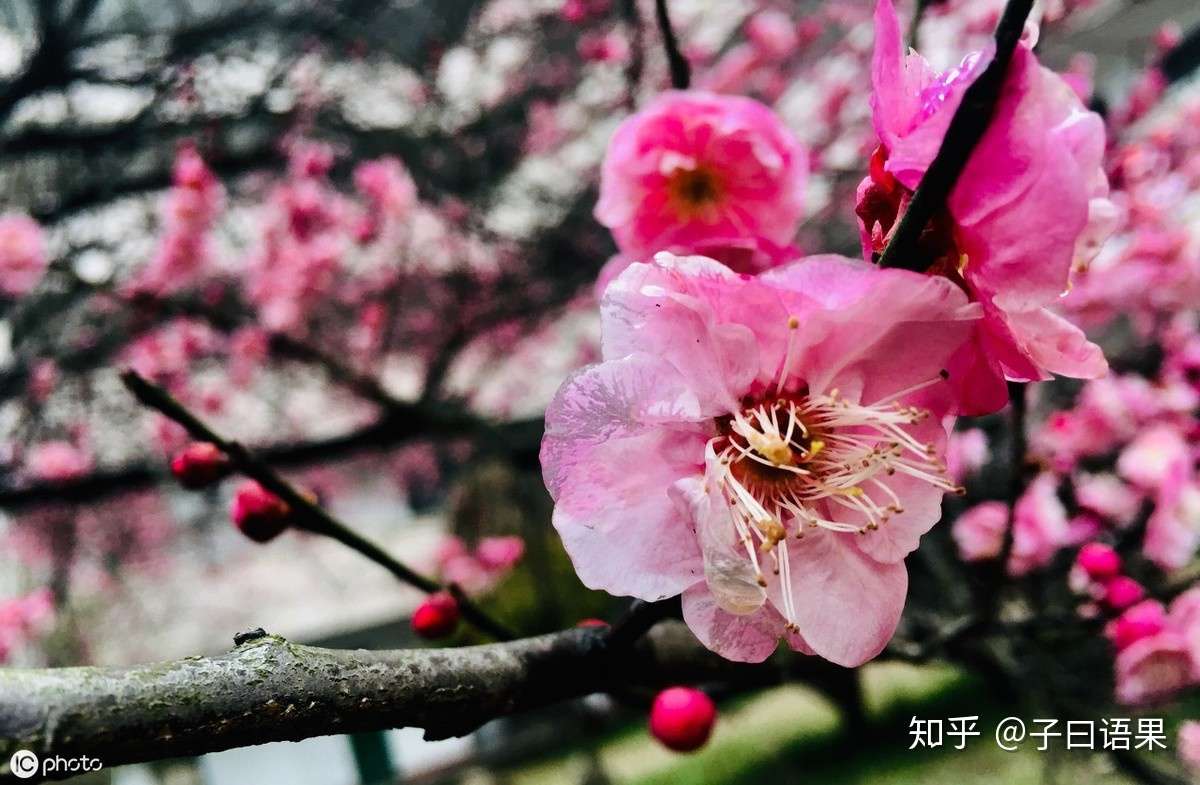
(967, 127)
(271, 690)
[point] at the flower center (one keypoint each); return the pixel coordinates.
(694, 191)
(880, 208)
(790, 462)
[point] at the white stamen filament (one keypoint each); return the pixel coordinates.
(788, 463)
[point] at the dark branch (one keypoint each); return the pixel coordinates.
(967, 127)
(271, 690)
(681, 71)
(309, 515)
(1018, 447)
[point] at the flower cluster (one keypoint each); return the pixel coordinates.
(1030, 204)
(766, 434)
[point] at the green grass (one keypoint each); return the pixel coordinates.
(792, 735)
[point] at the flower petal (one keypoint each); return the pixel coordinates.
(847, 604)
(750, 638)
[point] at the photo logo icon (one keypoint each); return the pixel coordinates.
(24, 764)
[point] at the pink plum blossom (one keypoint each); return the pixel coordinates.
(22, 618)
(190, 211)
(773, 33)
(979, 531)
(58, 461)
(1188, 745)
(695, 170)
(23, 254)
(388, 189)
(1173, 531)
(1106, 495)
(765, 446)
(966, 453)
(1158, 655)
(1040, 528)
(1031, 203)
(1154, 456)
(1153, 669)
(480, 569)
(500, 553)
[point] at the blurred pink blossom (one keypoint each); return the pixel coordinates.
(23, 254)
(1040, 528)
(966, 453)
(58, 461)
(698, 168)
(22, 618)
(1188, 745)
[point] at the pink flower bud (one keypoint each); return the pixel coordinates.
(1121, 592)
(437, 617)
(258, 513)
(1141, 621)
(1099, 561)
(199, 465)
(682, 718)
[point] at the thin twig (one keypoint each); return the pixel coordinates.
(637, 54)
(914, 27)
(681, 71)
(308, 515)
(966, 129)
(1018, 447)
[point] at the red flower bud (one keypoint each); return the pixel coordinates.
(1121, 592)
(437, 617)
(682, 718)
(587, 623)
(199, 465)
(258, 513)
(1144, 620)
(1099, 561)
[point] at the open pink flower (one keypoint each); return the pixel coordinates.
(1153, 669)
(23, 256)
(1040, 528)
(766, 446)
(697, 169)
(966, 453)
(1153, 457)
(1031, 201)
(1173, 531)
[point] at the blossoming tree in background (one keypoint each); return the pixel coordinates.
(897, 356)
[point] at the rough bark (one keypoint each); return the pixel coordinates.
(269, 689)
